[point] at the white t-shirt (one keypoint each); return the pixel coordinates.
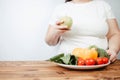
(89, 24)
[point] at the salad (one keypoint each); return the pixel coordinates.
(92, 55)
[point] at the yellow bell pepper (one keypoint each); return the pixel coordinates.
(85, 53)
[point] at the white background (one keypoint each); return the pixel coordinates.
(23, 24)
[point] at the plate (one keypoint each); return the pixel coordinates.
(83, 67)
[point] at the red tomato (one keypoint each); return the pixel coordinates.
(105, 60)
(90, 62)
(80, 62)
(100, 61)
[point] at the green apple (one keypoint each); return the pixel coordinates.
(67, 21)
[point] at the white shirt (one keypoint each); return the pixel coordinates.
(89, 24)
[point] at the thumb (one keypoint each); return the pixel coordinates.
(59, 22)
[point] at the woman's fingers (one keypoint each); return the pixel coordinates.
(62, 27)
(59, 22)
(113, 60)
(113, 55)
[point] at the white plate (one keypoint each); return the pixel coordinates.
(83, 67)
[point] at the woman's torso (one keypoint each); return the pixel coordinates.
(89, 26)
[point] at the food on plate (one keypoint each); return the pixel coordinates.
(65, 59)
(99, 61)
(101, 52)
(57, 57)
(83, 57)
(67, 21)
(80, 62)
(102, 60)
(90, 61)
(85, 53)
(105, 60)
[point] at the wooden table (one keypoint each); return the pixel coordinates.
(43, 70)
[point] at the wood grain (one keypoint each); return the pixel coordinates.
(44, 70)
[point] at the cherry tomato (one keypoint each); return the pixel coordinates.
(105, 60)
(80, 62)
(90, 61)
(100, 61)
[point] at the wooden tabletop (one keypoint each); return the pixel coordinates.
(43, 70)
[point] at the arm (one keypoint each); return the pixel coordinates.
(54, 33)
(113, 39)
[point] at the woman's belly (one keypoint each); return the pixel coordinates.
(68, 44)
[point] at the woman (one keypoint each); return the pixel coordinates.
(93, 24)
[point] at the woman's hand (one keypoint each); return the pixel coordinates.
(59, 28)
(113, 37)
(113, 55)
(55, 32)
